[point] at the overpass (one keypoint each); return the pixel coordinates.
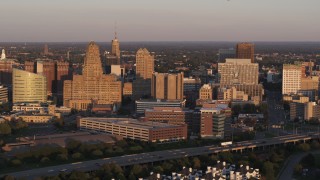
(150, 157)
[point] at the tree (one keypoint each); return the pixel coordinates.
(72, 145)
(76, 155)
(97, 153)
(8, 177)
(16, 162)
(268, 170)
(59, 122)
(236, 109)
(132, 176)
(44, 160)
(196, 163)
(298, 169)
(304, 147)
(62, 157)
(158, 169)
(135, 149)
(75, 175)
(137, 170)
(5, 129)
(120, 176)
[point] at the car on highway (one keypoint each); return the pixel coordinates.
(51, 170)
(63, 170)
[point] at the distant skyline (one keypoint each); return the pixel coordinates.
(145, 20)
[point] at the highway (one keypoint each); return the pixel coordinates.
(155, 156)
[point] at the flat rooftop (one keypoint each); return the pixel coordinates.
(131, 122)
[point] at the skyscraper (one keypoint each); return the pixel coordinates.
(291, 80)
(114, 57)
(28, 87)
(243, 75)
(167, 86)
(45, 50)
(245, 51)
(144, 64)
(115, 47)
(238, 71)
(92, 87)
(144, 70)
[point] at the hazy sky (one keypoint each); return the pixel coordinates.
(164, 20)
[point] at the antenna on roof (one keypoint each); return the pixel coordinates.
(115, 29)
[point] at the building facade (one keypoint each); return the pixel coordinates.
(238, 71)
(167, 86)
(205, 92)
(291, 78)
(245, 51)
(143, 104)
(134, 129)
(28, 87)
(3, 94)
(92, 87)
(144, 71)
(171, 115)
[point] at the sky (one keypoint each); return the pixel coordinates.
(159, 20)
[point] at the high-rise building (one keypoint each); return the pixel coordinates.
(291, 80)
(212, 122)
(92, 87)
(47, 69)
(144, 70)
(238, 71)
(115, 47)
(167, 86)
(3, 94)
(46, 50)
(205, 92)
(113, 58)
(62, 73)
(245, 51)
(28, 87)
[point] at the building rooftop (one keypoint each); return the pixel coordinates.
(131, 122)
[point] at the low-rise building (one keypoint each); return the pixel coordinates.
(171, 115)
(143, 104)
(40, 118)
(134, 129)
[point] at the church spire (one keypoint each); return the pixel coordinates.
(115, 30)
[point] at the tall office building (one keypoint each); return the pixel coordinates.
(144, 70)
(245, 51)
(243, 75)
(114, 57)
(115, 47)
(62, 74)
(28, 87)
(291, 80)
(167, 86)
(205, 92)
(46, 49)
(3, 94)
(238, 71)
(92, 87)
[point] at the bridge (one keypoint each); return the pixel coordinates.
(156, 156)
